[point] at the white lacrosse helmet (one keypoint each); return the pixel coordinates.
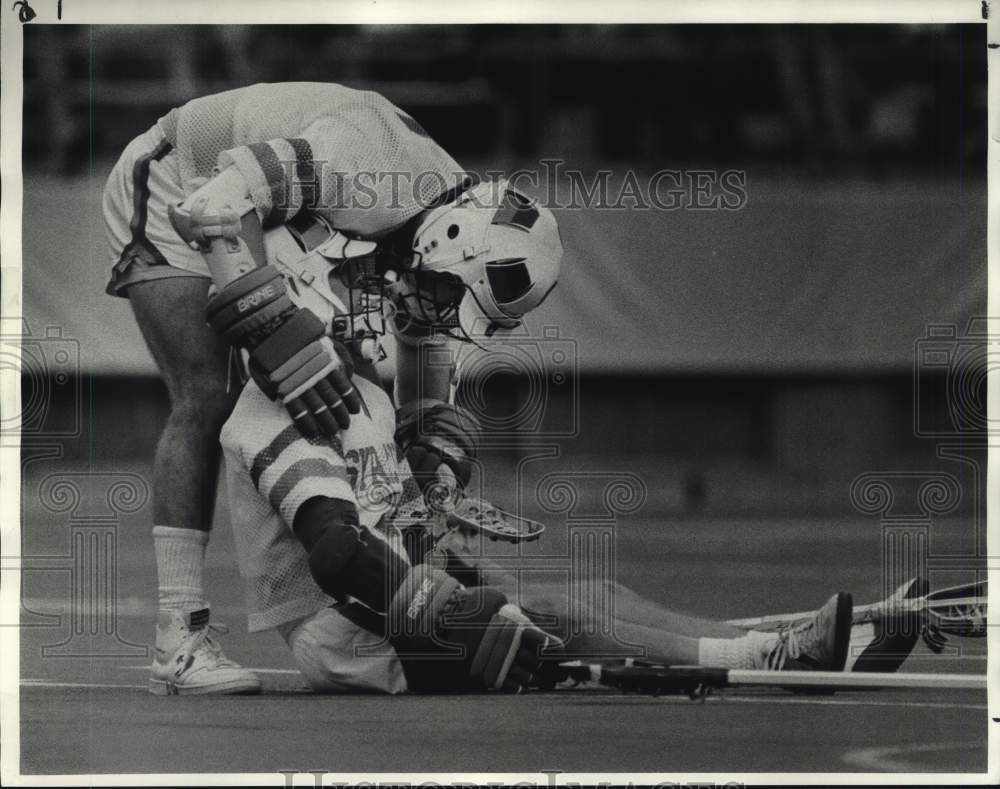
(501, 245)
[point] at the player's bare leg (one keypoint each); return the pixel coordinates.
(602, 617)
(820, 643)
(193, 363)
(628, 606)
(633, 607)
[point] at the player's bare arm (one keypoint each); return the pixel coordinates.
(416, 379)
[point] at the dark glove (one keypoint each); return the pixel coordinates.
(290, 355)
(450, 638)
(433, 433)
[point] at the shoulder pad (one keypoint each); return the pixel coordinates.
(340, 247)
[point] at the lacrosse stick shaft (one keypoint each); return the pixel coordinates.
(686, 677)
(855, 680)
(967, 596)
(862, 613)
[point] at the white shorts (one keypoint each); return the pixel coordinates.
(330, 650)
(144, 245)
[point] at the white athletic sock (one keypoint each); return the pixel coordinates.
(744, 652)
(180, 560)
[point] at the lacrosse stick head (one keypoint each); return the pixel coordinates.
(474, 514)
(959, 610)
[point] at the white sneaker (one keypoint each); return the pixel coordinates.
(818, 644)
(189, 661)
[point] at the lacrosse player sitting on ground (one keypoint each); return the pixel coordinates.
(323, 530)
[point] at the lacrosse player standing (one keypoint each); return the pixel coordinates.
(186, 208)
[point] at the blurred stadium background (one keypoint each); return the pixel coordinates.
(748, 361)
(744, 365)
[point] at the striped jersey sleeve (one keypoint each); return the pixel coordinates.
(365, 166)
(281, 174)
(284, 466)
(350, 155)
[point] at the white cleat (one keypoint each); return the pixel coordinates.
(818, 644)
(189, 661)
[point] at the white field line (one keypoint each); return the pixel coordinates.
(680, 700)
(44, 683)
(946, 705)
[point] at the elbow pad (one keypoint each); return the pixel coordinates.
(345, 558)
(220, 221)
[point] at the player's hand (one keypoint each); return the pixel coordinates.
(452, 638)
(440, 442)
(290, 355)
(310, 373)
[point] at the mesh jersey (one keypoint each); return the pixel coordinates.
(351, 155)
(271, 470)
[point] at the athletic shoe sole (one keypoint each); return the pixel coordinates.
(886, 644)
(843, 619)
(842, 630)
(160, 687)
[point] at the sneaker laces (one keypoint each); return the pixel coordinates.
(202, 641)
(789, 645)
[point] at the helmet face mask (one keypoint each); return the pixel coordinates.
(362, 296)
(432, 298)
(336, 277)
(360, 274)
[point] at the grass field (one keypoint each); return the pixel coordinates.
(86, 714)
